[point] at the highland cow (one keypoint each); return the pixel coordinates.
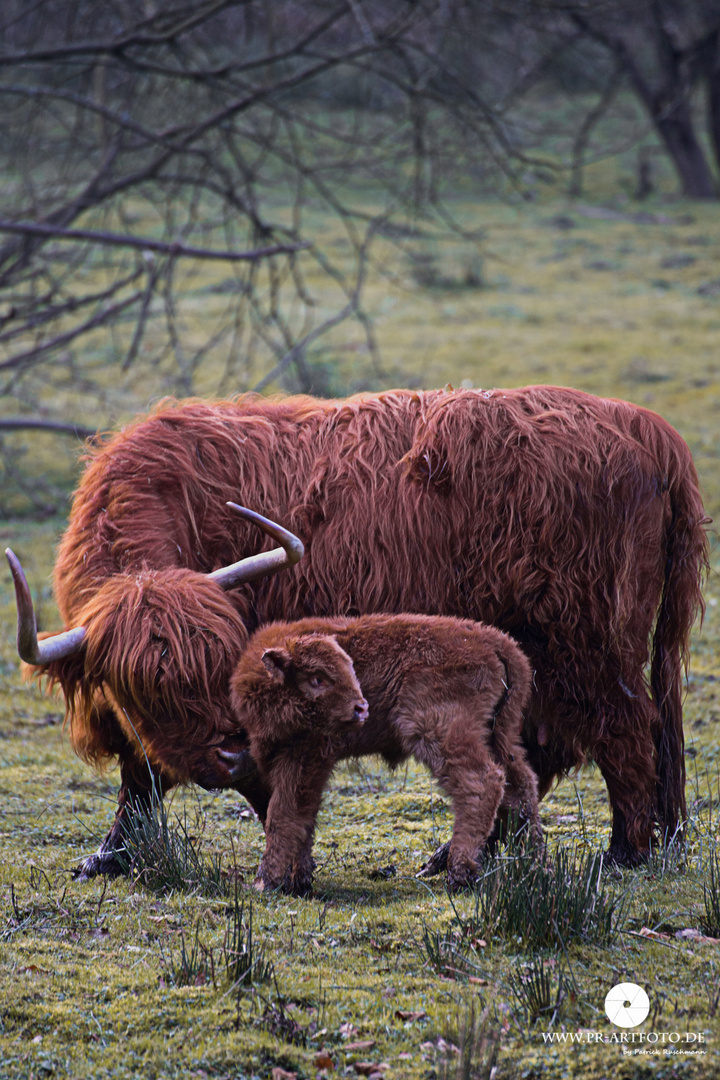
(571, 522)
(154, 648)
(448, 692)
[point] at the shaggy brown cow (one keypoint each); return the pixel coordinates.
(446, 691)
(174, 636)
(572, 522)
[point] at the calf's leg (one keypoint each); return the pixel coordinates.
(454, 748)
(519, 805)
(297, 789)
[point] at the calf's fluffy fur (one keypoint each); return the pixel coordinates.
(446, 691)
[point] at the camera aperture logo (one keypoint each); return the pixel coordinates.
(627, 1006)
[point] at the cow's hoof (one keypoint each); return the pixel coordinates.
(436, 863)
(103, 863)
(625, 856)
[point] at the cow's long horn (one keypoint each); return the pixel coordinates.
(30, 649)
(71, 641)
(266, 562)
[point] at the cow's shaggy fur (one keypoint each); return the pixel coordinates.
(449, 692)
(572, 522)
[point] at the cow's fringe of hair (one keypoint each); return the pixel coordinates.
(159, 651)
(574, 523)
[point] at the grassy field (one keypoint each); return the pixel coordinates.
(380, 968)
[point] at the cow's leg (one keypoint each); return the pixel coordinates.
(137, 786)
(625, 757)
(290, 825)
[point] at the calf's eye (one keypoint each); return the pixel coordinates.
(316, 681)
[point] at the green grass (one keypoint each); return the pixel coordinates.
(131, 978)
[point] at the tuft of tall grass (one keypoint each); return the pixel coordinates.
(540, 991)
(470, 1046)
(447, 953)
(544, 903)
(167, 856)
(191, 964)
(245, 962)
(538, 903)
(710, 921)
(711, 985)
(278, 1022)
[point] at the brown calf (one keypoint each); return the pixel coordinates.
(446, 691)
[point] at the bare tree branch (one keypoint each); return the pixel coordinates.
(24, 359)
(175, 250)
(38, 423)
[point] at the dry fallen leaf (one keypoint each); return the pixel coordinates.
(691, 934)
(365, 1068)
(407, 1014)
(363, 1044)
(323, 1060)
(282, 1074)
(477, 980)
(653, 935)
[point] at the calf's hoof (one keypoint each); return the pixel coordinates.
(290, 886)
(462, 873)
(436, 863)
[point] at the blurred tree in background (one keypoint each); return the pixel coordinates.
(193, 193)
(139, 140)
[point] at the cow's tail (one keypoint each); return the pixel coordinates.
(686, 565)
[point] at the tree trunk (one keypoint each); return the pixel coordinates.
(677, 131)
(712, 73)
(669, 102)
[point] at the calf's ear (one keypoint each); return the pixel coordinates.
(278, 662)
